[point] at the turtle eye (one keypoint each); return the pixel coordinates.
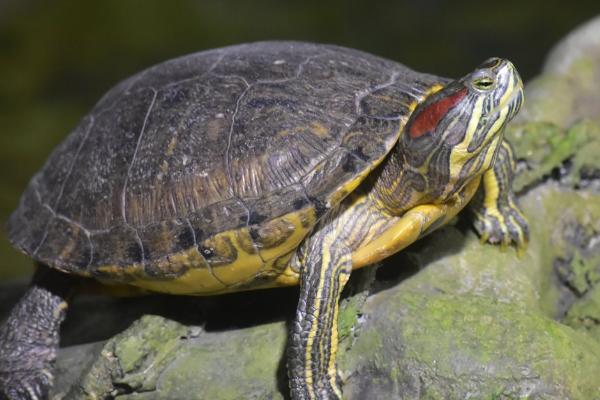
(483, 83)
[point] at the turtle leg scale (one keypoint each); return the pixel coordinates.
(327, 264)
(496, 213)
(29, 337)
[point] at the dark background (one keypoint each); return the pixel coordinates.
(57, 57)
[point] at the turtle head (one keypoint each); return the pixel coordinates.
(454, 134)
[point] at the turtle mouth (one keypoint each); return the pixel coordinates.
(514, 101)
(512, 104)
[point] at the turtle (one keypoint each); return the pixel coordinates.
(254, 166)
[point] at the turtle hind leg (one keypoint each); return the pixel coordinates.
(29, 337)
(496, 213)
(326, 266)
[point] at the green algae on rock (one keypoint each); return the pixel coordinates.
(584, 314)
(131, 361)
(467, 346)
(545, 149)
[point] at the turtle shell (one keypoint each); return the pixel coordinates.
(227, 140)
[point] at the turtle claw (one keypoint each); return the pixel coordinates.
(503, 226)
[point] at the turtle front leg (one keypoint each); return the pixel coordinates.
(326, 266)
(29, 337)
(497, 216)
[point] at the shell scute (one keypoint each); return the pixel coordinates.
(218, 250)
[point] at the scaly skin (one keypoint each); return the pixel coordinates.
(496, 213)
(313, 340)
(29, 337)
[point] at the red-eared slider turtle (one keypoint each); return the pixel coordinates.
(256, 166)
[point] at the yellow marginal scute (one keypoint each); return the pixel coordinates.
(288, 277)
(245, 264)
(197, 280)
(202, 279)
(410, 226)
(303, 222)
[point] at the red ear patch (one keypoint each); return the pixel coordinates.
(430, 116)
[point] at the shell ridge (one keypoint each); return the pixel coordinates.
(361, 94)
(64, 183)
(139, 141)
(57, 215)
(198, 77)
(85, 231)
(297, 74)
(208, 266)
(230, 187)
